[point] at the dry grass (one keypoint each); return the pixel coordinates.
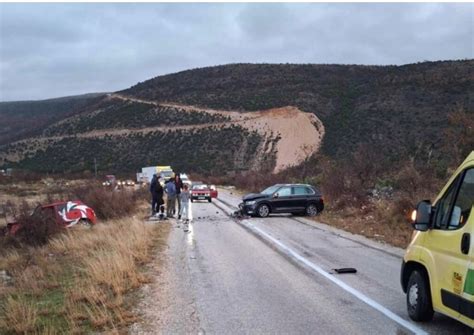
(80, 281)
(19, 315)
(11, 260)
(32, 191)
(381, 220)
(31, 279)
(109, 204)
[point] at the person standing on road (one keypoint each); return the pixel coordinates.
(154, 195)
(184, 199)
(159, 195)
(170, 189)
(179, 186)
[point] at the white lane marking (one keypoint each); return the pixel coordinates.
(339, 282)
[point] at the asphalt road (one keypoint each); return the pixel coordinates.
(275, 276)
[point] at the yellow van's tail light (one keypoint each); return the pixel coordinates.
(413, 215)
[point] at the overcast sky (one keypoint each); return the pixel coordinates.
(52, 50)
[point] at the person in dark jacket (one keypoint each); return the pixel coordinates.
(179, 186)
(156, 191)
(159, 195)
(154, 198)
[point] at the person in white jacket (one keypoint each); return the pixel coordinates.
(184, 197)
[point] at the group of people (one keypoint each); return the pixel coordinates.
(176, 192)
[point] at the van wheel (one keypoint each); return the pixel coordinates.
(419, 304)
(263, 211)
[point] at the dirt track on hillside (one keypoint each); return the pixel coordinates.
(299, 133)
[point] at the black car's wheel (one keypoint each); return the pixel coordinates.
(192, 200)
(311, 210)
(419, 304)
(263, 210)
(210, 199)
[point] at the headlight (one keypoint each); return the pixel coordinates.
(250, 202)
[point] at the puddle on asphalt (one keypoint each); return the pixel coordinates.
(190, 235)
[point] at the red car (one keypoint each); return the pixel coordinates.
(201, 192)
(65, 214)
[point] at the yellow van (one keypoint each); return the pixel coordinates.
(438, 271)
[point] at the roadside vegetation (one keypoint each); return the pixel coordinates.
(79, 280)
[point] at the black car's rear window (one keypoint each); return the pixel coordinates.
(302, 190)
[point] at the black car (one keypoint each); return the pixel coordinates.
(284, 198)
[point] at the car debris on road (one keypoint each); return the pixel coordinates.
(345, 270)
(240, 215)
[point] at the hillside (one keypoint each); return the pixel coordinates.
(22, 119)
(124, 134)
(246, 117)
(212, 151)
(399, 108)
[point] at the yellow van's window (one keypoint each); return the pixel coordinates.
(463, 205)
(444, 205)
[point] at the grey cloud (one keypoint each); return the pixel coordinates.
(51, 50)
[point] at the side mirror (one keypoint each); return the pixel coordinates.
(276, 195)
(421, 217)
